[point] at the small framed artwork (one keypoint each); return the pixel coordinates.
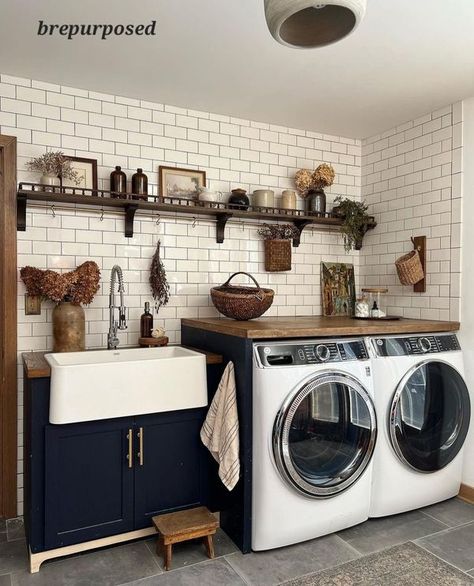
(184, 183)
(337, 289)
(87, 173)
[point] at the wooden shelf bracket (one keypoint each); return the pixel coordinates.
(300, 225)
(21, 212)
(221, 221)
(130, 210)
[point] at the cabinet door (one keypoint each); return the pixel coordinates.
(88, 481)
(170, 474)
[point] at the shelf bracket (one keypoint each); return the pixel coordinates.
(130, 210)
(21, 212)
(221, 221)
(300, 225)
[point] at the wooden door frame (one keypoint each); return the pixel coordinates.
(8, 328)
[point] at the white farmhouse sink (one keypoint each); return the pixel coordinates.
(102, 384)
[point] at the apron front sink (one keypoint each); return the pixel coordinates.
(102, 384)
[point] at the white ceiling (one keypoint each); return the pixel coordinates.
(407, 58)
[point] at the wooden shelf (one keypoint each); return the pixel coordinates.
(220, 211)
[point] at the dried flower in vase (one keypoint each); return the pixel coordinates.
(323, 176)
(159, 283)
(54, 163)
(303, 181)
(278, 232)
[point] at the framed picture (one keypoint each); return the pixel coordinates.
(337, 289)
(176, 182)
(87, 169)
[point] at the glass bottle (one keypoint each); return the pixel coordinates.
(146, 322)
(118, 183)
(139, 185)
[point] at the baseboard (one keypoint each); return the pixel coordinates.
(466, 493)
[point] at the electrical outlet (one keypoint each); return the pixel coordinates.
(32, 305)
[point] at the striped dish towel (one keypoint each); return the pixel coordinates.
(220, 431)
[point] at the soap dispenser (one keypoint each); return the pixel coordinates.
(146, 322)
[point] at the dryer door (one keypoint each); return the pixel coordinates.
(429, 416)
(324, 435)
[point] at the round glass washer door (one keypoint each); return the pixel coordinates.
(324, 435)
(429, 416)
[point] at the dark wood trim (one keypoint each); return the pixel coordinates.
(92, 162)
(8, 330)
(466, 493)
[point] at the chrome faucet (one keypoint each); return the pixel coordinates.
(114, 326)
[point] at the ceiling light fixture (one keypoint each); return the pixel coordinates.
(305, 24)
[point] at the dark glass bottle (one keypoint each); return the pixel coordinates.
(118, 183)
(139, 185)
(146, 322)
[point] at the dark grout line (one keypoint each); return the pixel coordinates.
(440, 558)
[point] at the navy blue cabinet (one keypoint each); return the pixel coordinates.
(88, 482)
(85, 481)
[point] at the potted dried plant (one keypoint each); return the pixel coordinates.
(68, 291)
(310, 185)
(277, 243)
(54, 166)
(354, 221)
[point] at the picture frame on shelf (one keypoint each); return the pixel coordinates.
(87, 169)
(337, 289)
(180, 183)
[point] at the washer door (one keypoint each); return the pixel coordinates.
(324, 435)
(429, 416)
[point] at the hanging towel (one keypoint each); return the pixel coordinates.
(220, 431)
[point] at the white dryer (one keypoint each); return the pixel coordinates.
(314, 432)
(423, 410)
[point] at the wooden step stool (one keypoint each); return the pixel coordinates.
(183, 526)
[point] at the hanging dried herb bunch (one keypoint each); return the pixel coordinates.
(159, 284)
(78, 286)
(278, 232)
(54, 163)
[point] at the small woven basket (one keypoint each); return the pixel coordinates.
(409, 268)
(277, 255)
(241, 302)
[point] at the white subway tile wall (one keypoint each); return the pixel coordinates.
(412, 181)
(133, 133)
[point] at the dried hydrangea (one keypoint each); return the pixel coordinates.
(278, 232)
(78, 286)
(323, 176)
(303, 181)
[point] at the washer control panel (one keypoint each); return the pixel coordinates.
(311, 352)
(410, 345)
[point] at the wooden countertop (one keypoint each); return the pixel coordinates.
(316, 326)
(36, 366)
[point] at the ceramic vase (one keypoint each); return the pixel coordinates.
(49, 179)
(316, 202)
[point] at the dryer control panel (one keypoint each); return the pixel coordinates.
(412, 345)
(310, 352)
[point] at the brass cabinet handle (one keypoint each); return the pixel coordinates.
(140, 453)
(130, 448)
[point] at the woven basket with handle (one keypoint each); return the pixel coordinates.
(277, 255)
(409, 268)
(241, 302)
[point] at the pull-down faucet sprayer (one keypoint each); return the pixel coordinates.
(114, 326)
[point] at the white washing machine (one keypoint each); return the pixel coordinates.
(314, 432)
(423, 411)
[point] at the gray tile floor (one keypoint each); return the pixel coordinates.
(445, 529)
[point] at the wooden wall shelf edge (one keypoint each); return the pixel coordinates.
(219, 211)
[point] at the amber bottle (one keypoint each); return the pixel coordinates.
(146, 322)
(118, 183)
(139, 185)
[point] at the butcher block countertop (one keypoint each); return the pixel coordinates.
(317, 326)
(36, 366)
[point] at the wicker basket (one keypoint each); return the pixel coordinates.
(409, 268)
(241, 302)
(277, 255)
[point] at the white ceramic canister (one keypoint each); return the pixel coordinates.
(288, 200)
(207, 194)
(263, 198)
